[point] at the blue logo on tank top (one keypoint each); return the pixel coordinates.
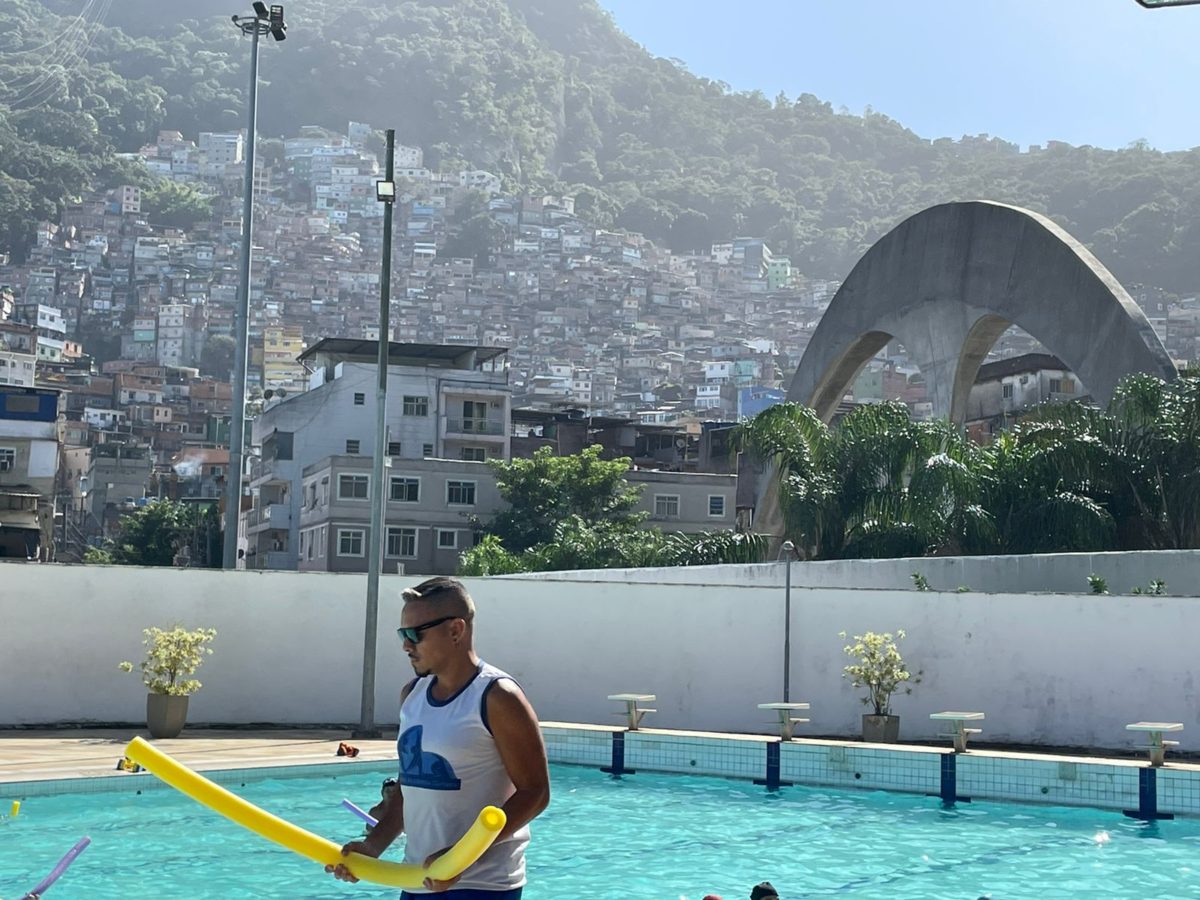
(421, 769)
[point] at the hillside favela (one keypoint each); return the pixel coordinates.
(818, 489)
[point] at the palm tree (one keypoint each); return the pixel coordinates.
(878, 484)
(1067, 478)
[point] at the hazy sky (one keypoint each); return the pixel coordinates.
(1101, 72)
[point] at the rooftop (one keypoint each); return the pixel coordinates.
(449, 356)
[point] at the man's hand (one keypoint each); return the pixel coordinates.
(366, 848)
(438, 886)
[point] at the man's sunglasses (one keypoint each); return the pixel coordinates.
(417, 632)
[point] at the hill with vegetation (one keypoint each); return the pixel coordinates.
(550, 94)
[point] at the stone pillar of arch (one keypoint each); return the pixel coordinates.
(948, 281)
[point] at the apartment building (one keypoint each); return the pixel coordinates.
(444, 402)
(30, 443)
(432, 506)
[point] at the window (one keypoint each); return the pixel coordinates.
(405, 490)
(474, 416)
(474, 454)
(666, 506)
(447, 539)
(360, 399)
(307, 539)
(19, 403)
(402, 542)
(1007, 391)
(324, 534)
(716, 505)
(427, 450)
(1062, 385)
(8, 459)
(393, 448)
(352, 447)
(350, 541)
(353, 487)
(460, 493)
(416, 406)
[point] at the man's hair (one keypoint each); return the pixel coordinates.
(449, 594)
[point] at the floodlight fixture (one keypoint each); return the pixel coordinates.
(385, 191)
(278, 26)
(260, 9)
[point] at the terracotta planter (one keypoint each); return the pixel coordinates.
(165, 715)
(881, 729)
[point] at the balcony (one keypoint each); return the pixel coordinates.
(263, 472)
(476, 427)
(276, 516)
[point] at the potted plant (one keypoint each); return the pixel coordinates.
(171, 657)
(880, 669)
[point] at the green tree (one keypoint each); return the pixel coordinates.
(1066, 478)
(478, 238)
(175, 205)
(546, 490)
(153, 534)
(217, 357)
(876, 485)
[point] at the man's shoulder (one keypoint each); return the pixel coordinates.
(408, 689)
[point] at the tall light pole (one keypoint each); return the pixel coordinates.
(264, 21)
(788, 549)
(385, 192)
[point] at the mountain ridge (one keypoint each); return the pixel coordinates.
(551, 95)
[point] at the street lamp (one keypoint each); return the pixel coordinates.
(790, 549)
(264, 21)
(385, 193)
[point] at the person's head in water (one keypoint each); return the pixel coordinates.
(764, 891)
(436, 625)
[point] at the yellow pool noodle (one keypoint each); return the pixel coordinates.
(16, 808)
(451, 864)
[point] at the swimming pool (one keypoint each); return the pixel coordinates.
(643, 836)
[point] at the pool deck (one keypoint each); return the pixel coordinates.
(27, 755)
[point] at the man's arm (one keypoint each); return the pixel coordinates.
(518, 738)
(390, 826)
(391, 823)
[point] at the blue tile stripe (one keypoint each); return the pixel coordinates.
(773, 781)
(618, 756)
(1148, 796)
(949, 778)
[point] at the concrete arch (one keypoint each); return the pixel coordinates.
(949, 280)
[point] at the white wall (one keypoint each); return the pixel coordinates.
(1062, 670)
(1064, 573)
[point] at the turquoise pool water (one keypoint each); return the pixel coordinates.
(645, 836)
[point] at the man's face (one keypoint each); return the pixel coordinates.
(433, 642)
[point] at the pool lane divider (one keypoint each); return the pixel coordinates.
(454, 862)
(1147, 796)
(618, 757)
(773, 781)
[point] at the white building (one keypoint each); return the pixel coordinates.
(444, 401)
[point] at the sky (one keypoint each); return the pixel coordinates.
(1099, 72)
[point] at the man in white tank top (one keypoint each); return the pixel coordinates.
(468, 738)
